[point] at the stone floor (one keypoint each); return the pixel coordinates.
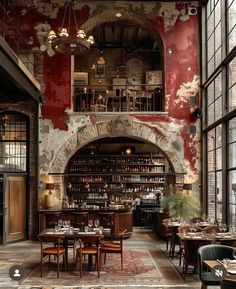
(28, 253)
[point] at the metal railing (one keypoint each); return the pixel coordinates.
(118, 98)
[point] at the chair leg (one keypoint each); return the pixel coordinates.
(121, 261)
(105, 258)
(64, 262)
(204, 286)
(41, 266)
(98, 267)
(58, 266)
(80, 265)
(49, 262)
(180, 256)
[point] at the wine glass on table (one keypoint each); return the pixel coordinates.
(90, 224)
(224, 228)
(59, 224)
(96, 224)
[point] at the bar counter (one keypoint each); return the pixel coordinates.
(121, 218)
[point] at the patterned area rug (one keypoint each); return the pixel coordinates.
(141, 267)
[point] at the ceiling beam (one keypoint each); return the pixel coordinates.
(16, 72)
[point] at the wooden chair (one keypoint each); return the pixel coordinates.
(168, 233)
(182, 229)
(55, 250)
(211, 229)
(88, 246)
(196, 220)
(115, 247)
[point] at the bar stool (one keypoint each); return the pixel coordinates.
(79, 219)
(106, 219)
(52, 219)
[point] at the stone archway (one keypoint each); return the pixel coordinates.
(109, 15)
(118, 127)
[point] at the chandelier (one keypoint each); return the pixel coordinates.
(67, 42)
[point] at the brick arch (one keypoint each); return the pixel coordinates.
(109, 16)
(117, 128)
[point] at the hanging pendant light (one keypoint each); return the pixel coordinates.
(67, 42)
(101, 60)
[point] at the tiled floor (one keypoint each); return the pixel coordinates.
(27, 253)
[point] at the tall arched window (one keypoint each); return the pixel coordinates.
(13, 142)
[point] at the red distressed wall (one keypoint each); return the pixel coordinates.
(182, 38)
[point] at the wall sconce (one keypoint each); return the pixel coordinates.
(50, 187)
(187, 187)
(49, 199)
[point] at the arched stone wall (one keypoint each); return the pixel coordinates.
(109, 15)
(119, 127)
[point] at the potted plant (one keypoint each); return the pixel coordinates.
(181, 205)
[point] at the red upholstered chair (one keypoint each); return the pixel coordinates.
(115, 247)
(88, 246)
(211, 229)
(55, 250)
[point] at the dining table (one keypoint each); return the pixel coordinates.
(76, 234)
(173, 226)
(231, 268)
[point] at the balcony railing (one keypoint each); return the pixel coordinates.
(118, 98)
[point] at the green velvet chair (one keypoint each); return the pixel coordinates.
(211, 252)
(228, 284)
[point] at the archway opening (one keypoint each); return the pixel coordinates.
(118, 170)
(132, 65)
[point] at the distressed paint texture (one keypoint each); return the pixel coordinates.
(179, 34)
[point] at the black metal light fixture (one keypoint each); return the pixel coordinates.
(67, 42)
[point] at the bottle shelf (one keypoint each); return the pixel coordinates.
(135, 175)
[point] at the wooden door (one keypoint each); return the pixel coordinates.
(15, 209)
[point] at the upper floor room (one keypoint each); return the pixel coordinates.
(137, 57)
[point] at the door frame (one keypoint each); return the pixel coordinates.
(5, 194)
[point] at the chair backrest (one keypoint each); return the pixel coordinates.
(55, 240)
(211, 229)
(228, 284)
(90, 239)
(167, 220)
(196, 220)
(51, 239)
(186, 228)
(121, 236)
(212, 252)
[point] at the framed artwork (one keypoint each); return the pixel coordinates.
(81, 78)
(153, 78)
(119, 83)
(100, 71)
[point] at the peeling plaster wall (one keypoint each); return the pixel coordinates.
(178, 33)
(168, 136)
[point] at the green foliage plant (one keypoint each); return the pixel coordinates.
(182, 205)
